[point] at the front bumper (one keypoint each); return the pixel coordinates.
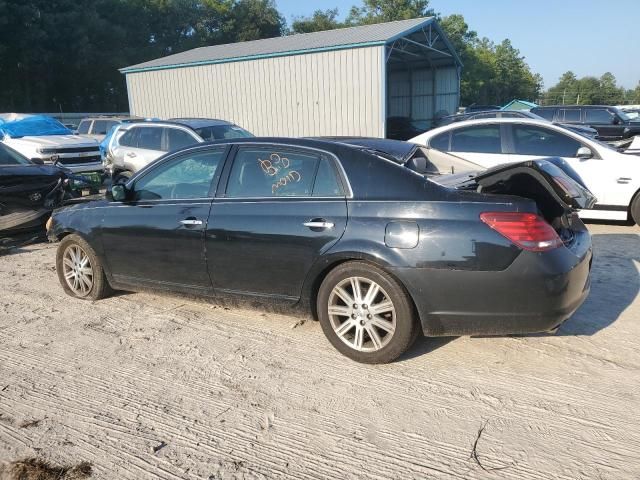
(536, 293)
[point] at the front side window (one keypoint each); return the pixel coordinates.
(598, 115)
(570, 115)
(272, 172)
(84, 126)
(477, 139)
(531, 140)
(129, 138)
(150, 138)
(186, 177)
(177, 139)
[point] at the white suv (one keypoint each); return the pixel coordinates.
(45, 140)
(135, 145)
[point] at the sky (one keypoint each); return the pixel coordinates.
(588, 37)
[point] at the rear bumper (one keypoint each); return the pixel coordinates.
(536, 293)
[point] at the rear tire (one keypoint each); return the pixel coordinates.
(80, 271)
(365, 313)
(635, 209)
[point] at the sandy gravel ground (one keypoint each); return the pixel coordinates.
(150, 386)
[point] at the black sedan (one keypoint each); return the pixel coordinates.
(28, 191)
(374, 244)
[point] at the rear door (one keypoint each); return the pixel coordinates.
(282, 208)
(157, 236)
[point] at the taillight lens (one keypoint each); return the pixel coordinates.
(527, 230)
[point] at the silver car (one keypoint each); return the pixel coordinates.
(135, 145)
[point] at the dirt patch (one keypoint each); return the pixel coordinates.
(34, 469)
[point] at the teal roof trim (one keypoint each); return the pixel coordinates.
(254, 57)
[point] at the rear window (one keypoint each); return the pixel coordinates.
(478, 139)
(178, 139)
(221, 132)
(150, 138)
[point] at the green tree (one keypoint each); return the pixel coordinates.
(319, 21)
(378, 11)
(588, 90)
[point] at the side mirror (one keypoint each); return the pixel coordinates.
(119, 193)
(616, 121)
(37, 161)
(584, 153)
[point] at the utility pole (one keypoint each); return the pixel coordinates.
(563, 95)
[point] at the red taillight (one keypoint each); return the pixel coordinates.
(526, 230)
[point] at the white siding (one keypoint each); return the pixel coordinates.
(327, 93)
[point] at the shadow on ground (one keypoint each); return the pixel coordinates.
(615, 284)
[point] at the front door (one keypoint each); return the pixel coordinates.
(282, 209)
(605, 122)
(157, 236)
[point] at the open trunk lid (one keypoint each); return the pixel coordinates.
(554, 175)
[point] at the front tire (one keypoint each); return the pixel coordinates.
(365, 313)
(635, 209)
(80, 271)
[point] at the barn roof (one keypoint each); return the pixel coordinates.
(340, 39)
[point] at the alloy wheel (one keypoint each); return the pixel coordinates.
(362, 314)
(77, 269)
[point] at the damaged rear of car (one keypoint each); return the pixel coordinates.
(28, 191)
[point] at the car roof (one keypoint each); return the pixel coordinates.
(397, 149)
(482, 121)
(573, 106)
(200, 122)
(109, 117)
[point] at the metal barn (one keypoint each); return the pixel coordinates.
(337, 82)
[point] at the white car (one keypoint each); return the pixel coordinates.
(613, 177)
(45, 140)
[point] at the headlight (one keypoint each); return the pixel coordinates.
(46, 151)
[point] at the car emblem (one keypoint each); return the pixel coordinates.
(34, 197)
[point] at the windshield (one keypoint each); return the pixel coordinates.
(11, 157)
(623, 115)
(34, 126)
(221, 132)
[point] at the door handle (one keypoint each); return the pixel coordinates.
(318, 223)
(190, 222)
(131, 154)
(624, 180)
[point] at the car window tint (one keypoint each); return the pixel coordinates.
(150, 138)
(9, 157)
(187, 177)
(274, 172)
(129, 138)
(483, 115)
(84, 126)
(530, 140)
(480, 139)
(99, 127)
(598, 115)
(440, 142)
(178, 139)
(546, 113)
(221, 132)
(326, 184)
(570, 115)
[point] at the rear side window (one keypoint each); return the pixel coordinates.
(543, 142)
(484, 115)
(326, 183)
(598, 115)
(99, 127)
(150, 138)
(440, 142)
(546, 113)
(84, 126)
(478, 139)
(569, 115)
(273, 172)
(177, 139)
